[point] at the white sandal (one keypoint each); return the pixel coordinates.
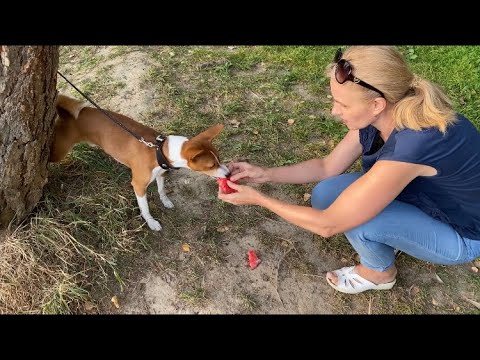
(349, 282)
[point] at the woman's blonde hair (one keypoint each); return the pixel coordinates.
(417, 103)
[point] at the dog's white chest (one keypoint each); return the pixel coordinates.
(156, 171)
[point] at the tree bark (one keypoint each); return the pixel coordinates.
(27, 93)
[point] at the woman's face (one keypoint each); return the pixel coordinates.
(351, 105)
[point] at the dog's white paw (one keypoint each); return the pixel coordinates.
(167, 202)
(154, 224)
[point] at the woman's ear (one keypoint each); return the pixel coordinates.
(379, 104)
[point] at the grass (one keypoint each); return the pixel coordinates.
(455, 68)
(83, 245)
(71, 243)
(249, 301)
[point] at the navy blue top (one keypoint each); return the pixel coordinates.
(453, 195)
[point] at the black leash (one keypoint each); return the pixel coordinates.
(161, 159)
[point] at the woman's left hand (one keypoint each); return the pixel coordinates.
(245, 195)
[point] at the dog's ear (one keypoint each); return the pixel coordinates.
(210, 133)
(200, 159)
(195, 154)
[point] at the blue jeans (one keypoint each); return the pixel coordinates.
(399, 226)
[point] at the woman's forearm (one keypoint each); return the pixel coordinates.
(306, 217)
(305, 172)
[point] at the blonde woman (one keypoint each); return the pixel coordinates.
(419, 191)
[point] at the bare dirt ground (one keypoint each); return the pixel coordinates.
(213, 276)
(271, 288)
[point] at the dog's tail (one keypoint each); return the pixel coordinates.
(67, 106)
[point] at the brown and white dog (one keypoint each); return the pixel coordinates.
(78, 122)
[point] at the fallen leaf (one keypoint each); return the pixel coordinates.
(186, 247)
(414, 290)
(235, 123)
(115, 302)
(474, 269)
(306, 196)
(473, 302)
(231, 47)
(171, 53)
(255, 132)
(435, 302)
(89, 306)
(438, 278)
(290, 121)
(311, 116)
(222, 229)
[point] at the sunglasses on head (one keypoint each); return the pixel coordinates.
(343, 73)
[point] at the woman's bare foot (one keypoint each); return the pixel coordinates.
(376, 277)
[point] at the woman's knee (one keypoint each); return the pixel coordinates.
(326, 191)
(323, 195)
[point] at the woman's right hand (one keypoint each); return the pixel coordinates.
(248, 172)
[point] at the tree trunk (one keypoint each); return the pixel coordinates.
(27, 93)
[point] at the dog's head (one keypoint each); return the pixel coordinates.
(201, 156)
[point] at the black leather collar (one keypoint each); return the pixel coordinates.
(161, 159)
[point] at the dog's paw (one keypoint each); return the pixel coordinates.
(167, 202)
(154, 224)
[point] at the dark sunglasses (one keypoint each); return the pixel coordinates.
(343, 72)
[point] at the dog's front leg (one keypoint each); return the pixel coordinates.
(161, 191)
(140, 188)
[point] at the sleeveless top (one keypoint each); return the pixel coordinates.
(453, 195)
